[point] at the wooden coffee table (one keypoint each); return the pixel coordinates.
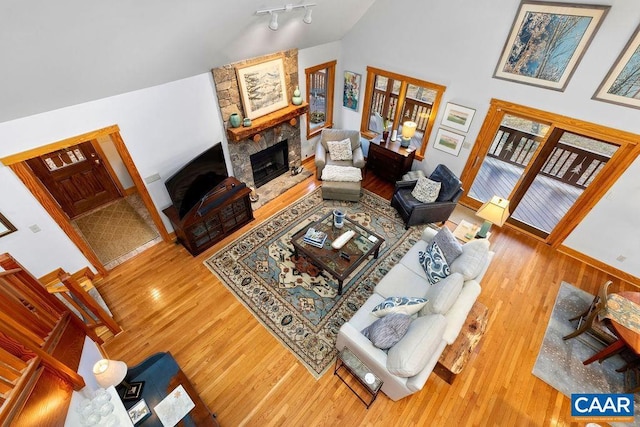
(358, 248)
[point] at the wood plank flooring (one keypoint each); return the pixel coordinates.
(167, 300)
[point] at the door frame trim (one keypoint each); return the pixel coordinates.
(618, 163)
(26, 175)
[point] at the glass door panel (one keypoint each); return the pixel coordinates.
(417, 108)
(383, 103)
(571, 166)
(510, 152)
(317, 99)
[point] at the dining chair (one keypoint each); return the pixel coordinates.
(590, 322)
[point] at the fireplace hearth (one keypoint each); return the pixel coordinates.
(270, 163)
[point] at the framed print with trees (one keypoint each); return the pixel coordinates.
(622, 84)
(547, 41)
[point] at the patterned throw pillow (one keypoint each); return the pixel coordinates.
(426, 190)
(434, 263)
(448, 244)
(386, 332)
(405, 305)
(340, 150)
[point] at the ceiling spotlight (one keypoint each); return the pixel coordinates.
(273, 24)
(307, 16)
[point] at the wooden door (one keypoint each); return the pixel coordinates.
(76, 177)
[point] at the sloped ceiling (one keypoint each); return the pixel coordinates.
(59, 53)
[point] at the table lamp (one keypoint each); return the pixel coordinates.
(112, 373)
(408, 130)
(109, 372)
(495, 211)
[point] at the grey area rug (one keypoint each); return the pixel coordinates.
(559, 362)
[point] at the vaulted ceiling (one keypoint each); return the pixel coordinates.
(61, 53)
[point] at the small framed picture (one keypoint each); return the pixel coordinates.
(133, 391)
(457, 117)
(139, 411)
(351, 93)
(449, 142)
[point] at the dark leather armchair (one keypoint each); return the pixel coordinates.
(415, 212)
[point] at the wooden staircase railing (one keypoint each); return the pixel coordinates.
(37, 332)
(74, 288)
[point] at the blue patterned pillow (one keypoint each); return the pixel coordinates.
(434, 263)
(404, 305)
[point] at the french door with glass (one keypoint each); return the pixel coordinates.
(552, 169)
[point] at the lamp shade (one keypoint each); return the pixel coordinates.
(496, 211)
(409, 129)
(109, 372)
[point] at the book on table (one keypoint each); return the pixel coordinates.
(315, 237)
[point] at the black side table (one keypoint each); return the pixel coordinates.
(349, 362)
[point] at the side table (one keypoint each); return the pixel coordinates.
(360, 371)
(466, 231)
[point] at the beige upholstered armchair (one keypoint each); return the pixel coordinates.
(322, 149)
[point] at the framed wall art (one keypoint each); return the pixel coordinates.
(457, 117)
(622, 83)
(263, 87)
(449, 142)
(351, 93)
(5, 226)
(547, 41)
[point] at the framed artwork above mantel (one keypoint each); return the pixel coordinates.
(262, 86)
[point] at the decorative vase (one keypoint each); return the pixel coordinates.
(296, 99)
(246, 122)
(234, 120)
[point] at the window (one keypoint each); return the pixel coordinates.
(391, 99)
(320, 84)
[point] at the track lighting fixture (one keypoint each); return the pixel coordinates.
(273, 23)
(307, 15)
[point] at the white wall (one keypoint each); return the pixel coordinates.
(309, 58)
(457, 43)
(163, 127)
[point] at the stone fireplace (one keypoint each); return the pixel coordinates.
(240, 152)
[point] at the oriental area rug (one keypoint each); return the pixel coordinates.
(299, 303)
(559, 362)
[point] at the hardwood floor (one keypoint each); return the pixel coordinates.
(167, 300)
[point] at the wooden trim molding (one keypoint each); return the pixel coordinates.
(16, 163)
(622, 275)
(59, 145)
(42, 195)
(139, 183)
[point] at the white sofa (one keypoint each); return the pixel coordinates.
(406, 366)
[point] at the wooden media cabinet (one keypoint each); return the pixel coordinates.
(222, 211)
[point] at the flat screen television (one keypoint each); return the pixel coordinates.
(196, 179)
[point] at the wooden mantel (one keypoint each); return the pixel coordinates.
(268, 121)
